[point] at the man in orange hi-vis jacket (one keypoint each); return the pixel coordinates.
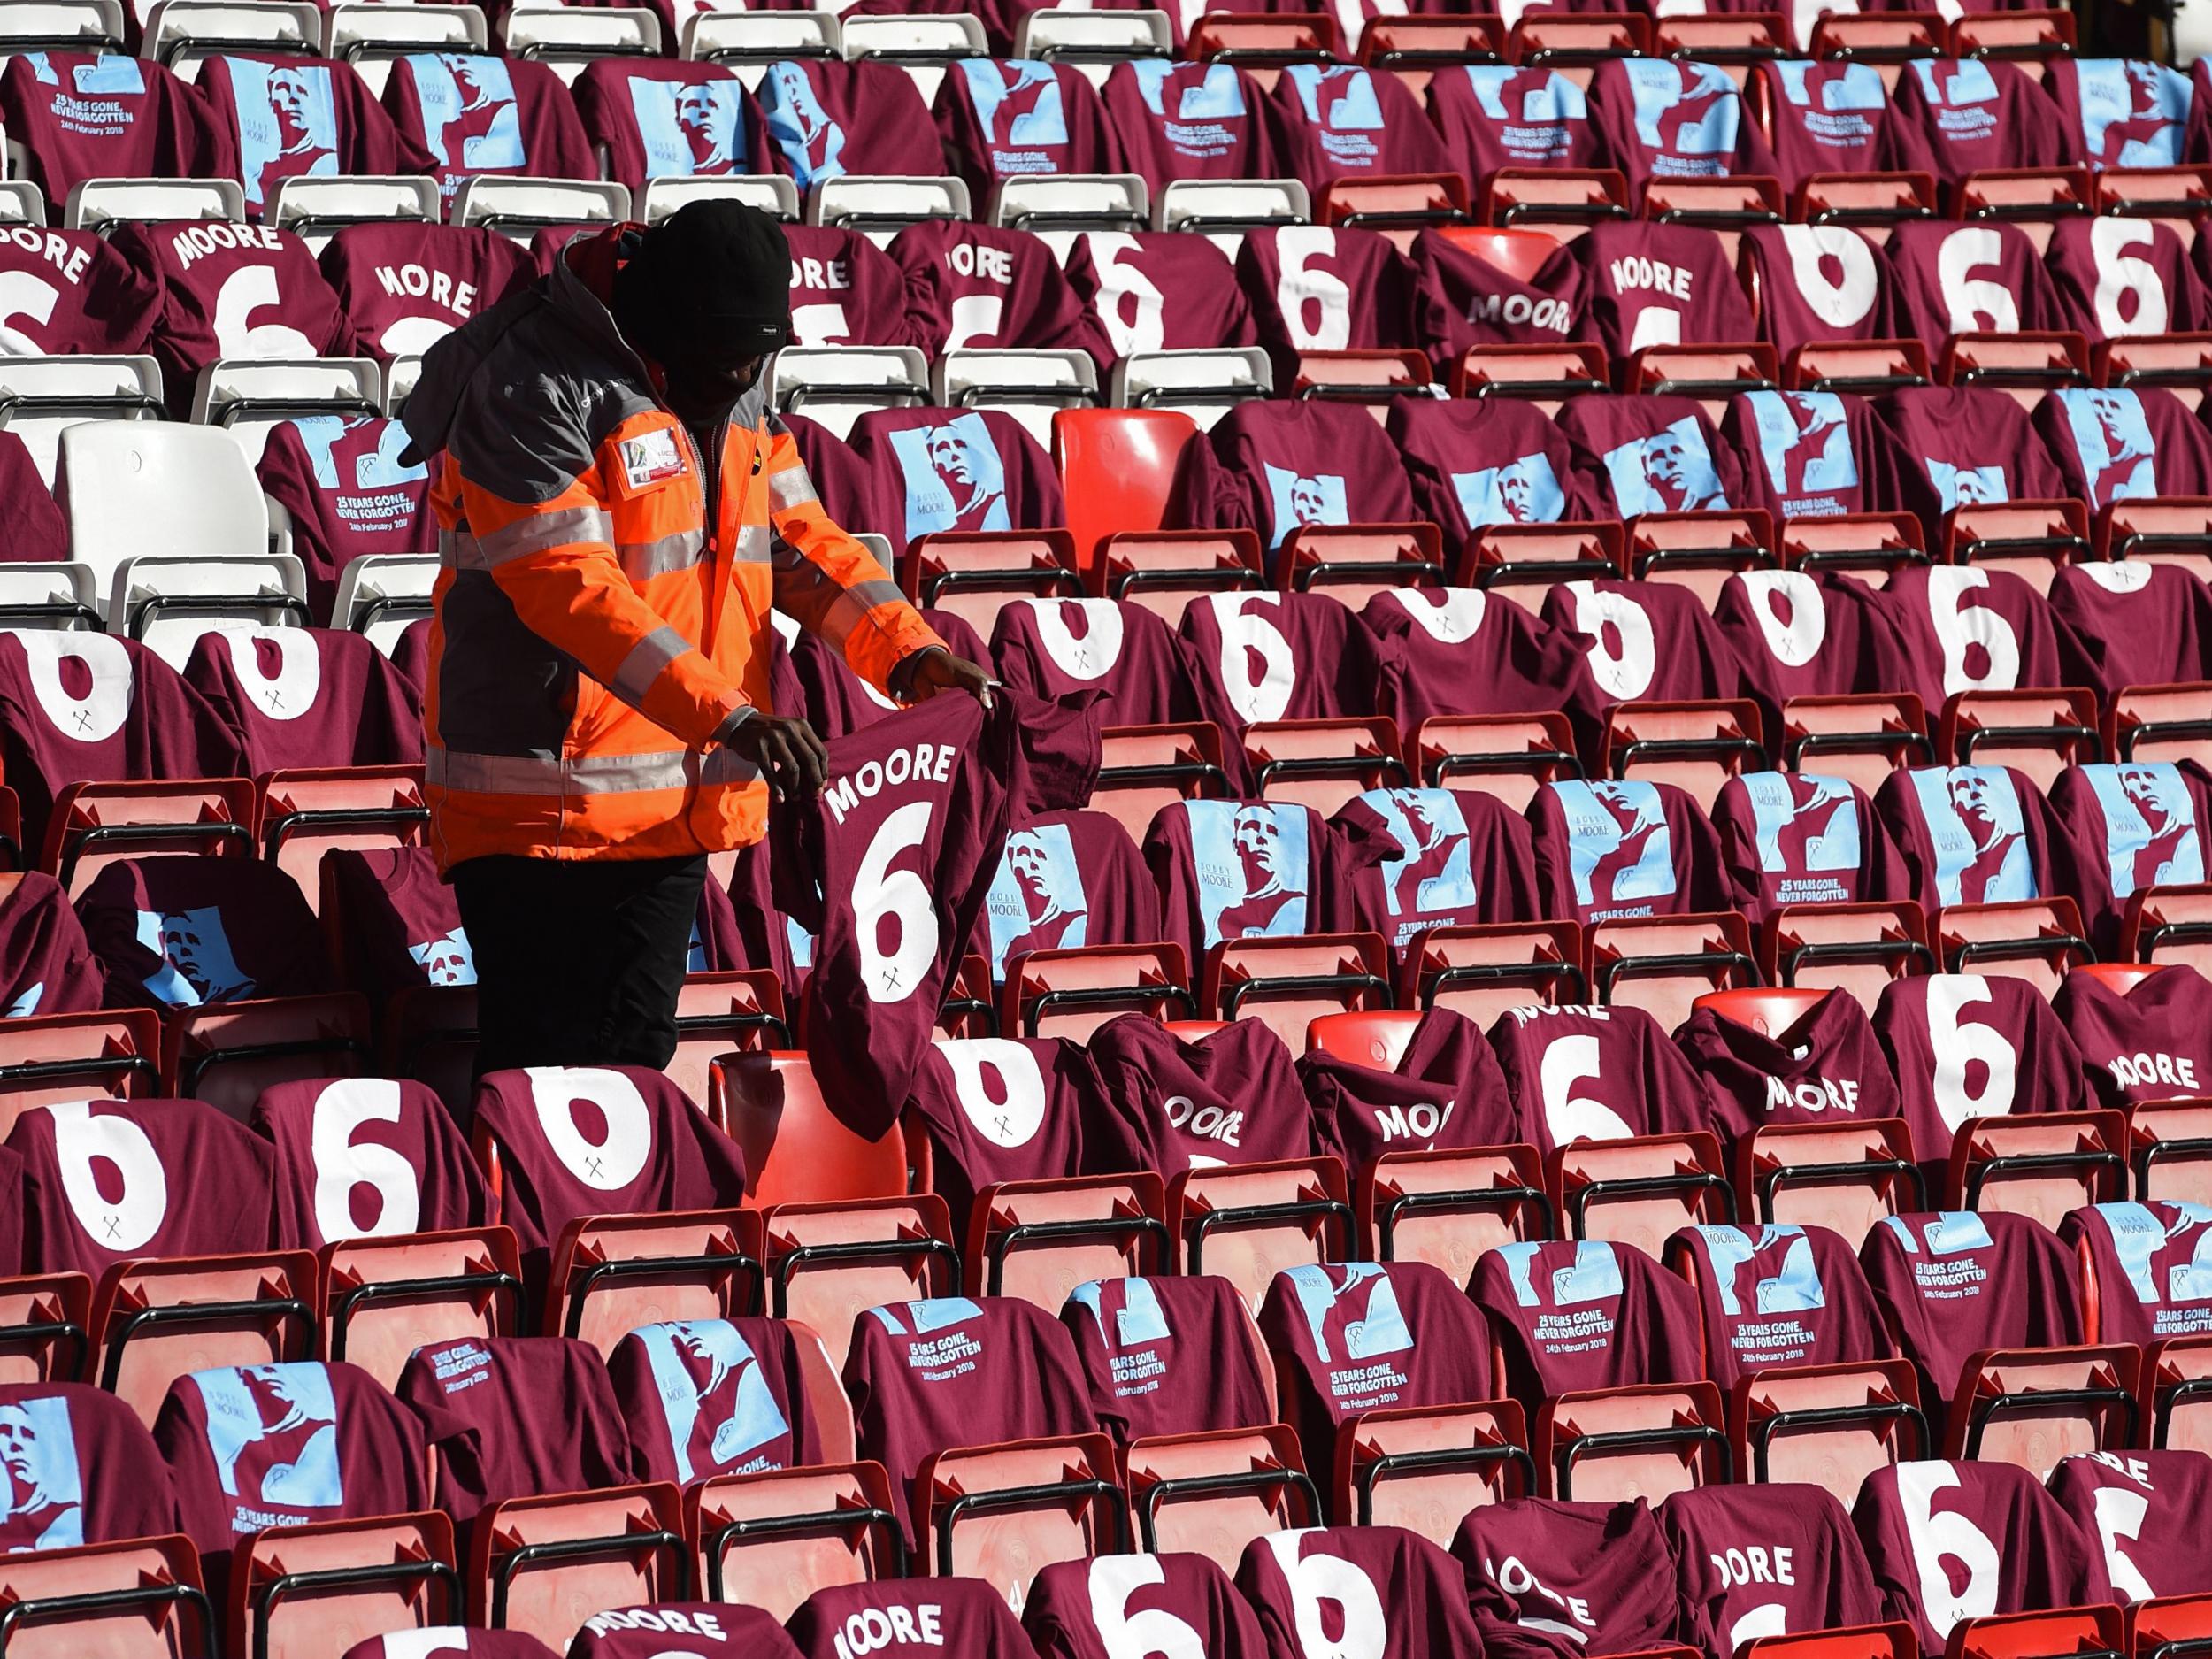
(618, 511)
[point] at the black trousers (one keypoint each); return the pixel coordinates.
(578, 964)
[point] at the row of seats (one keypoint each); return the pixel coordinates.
(612, 111)
(1591, 1344)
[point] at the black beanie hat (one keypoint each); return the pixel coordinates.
(714, 274)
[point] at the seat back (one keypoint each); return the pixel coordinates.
(2041, 1165)
(1116, 467)
(772, 1540)
(1072, 992)
(1001, 1512)
(543, 1565)
(45, 1320)
(1641, 1190)
(1663, 964)
(113, 1055)
(1828, 1426)
(1247, 1222)
(828, 1262)
(1424, 1467)
(139, 1599)
(1613, 1445)
(383, 1298)
(613, 1274)
(154, 1321)
(1039, 1240)
(797, 1150)
(1857, 947)
(189, 491)
(1212, 1494)
(1481, 971)
(1290, 982)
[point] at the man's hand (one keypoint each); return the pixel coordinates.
(937, 670)
(788, 752)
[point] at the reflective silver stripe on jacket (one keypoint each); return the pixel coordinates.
(645, 664)
(642, 561)
(590, 774)
(563, 526)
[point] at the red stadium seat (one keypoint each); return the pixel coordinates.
(45, 1320)
(2034, 1406)
(1143, 768)
(1247, 1222)
(1072, 992)
(1872, 546)
(1842, 1176)
(2160, 722)
(1546, 376)
(139, 1599)
(1860, 948)
(298, 1591)
(2169, 1150)
(1865, 368)
(2178, 1393)
(1734, 42)
(1447, 1206)
(613, 1273)
(1701, 551)
(95, 825)
(772, 1540)
(1872, 204)
(972, 573)
(2026, 364)
(1695, 746)
(796, 1150)
(384, 1298)
(998, 1513)
(2180, 362)
(1424, 1467)
(1613, 1445)
(1323, 764)
(1663, 964)
(1164, 570)
(2035, 939)
(2168, 1626)
(2037, 1164)
(543, 1565)
(2166, 925)
(739, 1008)
(154, 1321)
(1564, 200)
(1577, 43)
(828, 1262)
(304, 814)
(1039, 1240)
(1861, 736)
(2019, 534)
(113, 1055)
(2037, 733)
(1262, 42)
(1288, 982)
(2034, 198)
(2054, 1634)
(1509, 756)
(1481, 971)
(1860, 1641)
(1416, 48)
(1400, 205)
(1117, 467)
(1641, 1190)
(1521, 561)
(1213, 1494)
(227, 1053)
(1828, 1426)
(1354, 563)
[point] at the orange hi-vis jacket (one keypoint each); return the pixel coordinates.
(596, 638)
